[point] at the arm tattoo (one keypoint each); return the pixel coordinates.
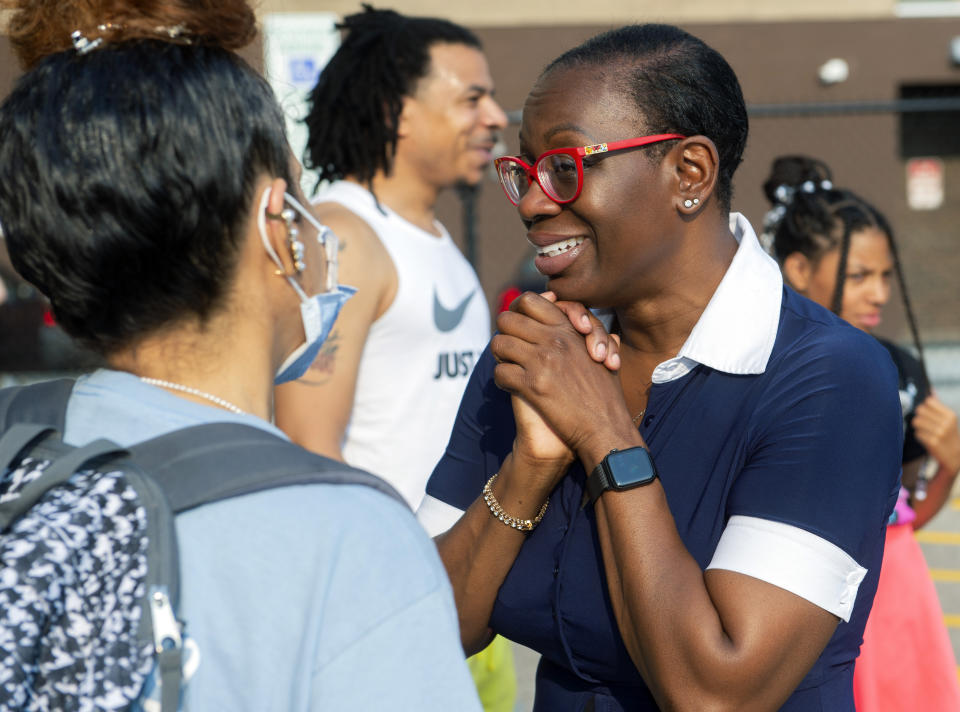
(321, 370)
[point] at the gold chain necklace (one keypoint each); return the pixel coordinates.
(639, 416)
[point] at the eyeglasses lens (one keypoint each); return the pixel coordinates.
(514, 179)
(558, 176)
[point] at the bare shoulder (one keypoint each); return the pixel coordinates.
(354, 232)
(363, 260)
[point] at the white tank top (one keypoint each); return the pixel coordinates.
(418, 354)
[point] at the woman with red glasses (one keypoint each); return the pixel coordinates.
(703, 528)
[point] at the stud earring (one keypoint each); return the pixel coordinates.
(690, 203)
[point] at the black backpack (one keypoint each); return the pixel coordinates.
(89, 576)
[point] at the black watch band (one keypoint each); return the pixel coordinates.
(621, 470)
(598, 482)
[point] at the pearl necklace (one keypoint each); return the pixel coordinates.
(195, 392)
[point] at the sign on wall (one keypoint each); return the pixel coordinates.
(924, 183)
(296, 47)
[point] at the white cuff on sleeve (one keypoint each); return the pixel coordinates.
(793, 559)
(436, 516)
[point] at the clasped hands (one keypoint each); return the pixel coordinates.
(561, 366)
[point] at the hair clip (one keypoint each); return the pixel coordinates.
(808, 186)
(771, 221)
(82, 45)
(784, 193)
(767, 240)
(174, 32)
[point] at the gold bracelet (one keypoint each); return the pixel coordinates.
(524, 525)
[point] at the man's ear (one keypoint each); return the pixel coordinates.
(407, 115)
(797, 269)
(697, 165)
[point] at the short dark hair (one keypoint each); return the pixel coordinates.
(126, 178)
(354, 109)
(679, 84)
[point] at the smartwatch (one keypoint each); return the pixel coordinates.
(621, 470)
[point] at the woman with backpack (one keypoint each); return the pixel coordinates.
(148, 190)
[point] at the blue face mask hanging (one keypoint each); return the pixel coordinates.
(318, 313)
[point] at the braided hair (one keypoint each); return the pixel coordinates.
(810, 216)
(354, 109)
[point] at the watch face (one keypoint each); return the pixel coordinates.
(630, 468)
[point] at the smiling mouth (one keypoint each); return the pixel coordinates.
(558, 248)
(483, 145)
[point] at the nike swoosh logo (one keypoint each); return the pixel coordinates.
(449, 319)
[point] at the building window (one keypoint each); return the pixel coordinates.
(929, 117)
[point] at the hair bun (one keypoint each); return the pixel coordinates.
(39, 28)
(792, 174)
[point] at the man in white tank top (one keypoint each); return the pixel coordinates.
(430, 323)
(402, 111)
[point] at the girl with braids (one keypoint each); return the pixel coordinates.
(148, 190)
(839, 250)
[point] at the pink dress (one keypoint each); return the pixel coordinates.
(906, 661)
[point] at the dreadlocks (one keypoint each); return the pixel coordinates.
(355, 106)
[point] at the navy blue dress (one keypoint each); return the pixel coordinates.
(812, 442)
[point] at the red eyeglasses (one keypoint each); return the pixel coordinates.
(559, 172)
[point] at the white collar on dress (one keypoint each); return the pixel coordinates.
(736, 332)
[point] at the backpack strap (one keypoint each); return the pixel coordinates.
(214, 461)
(28, 416)
(44, 402)
(66, 460)
(194, 465)
(17, 438)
